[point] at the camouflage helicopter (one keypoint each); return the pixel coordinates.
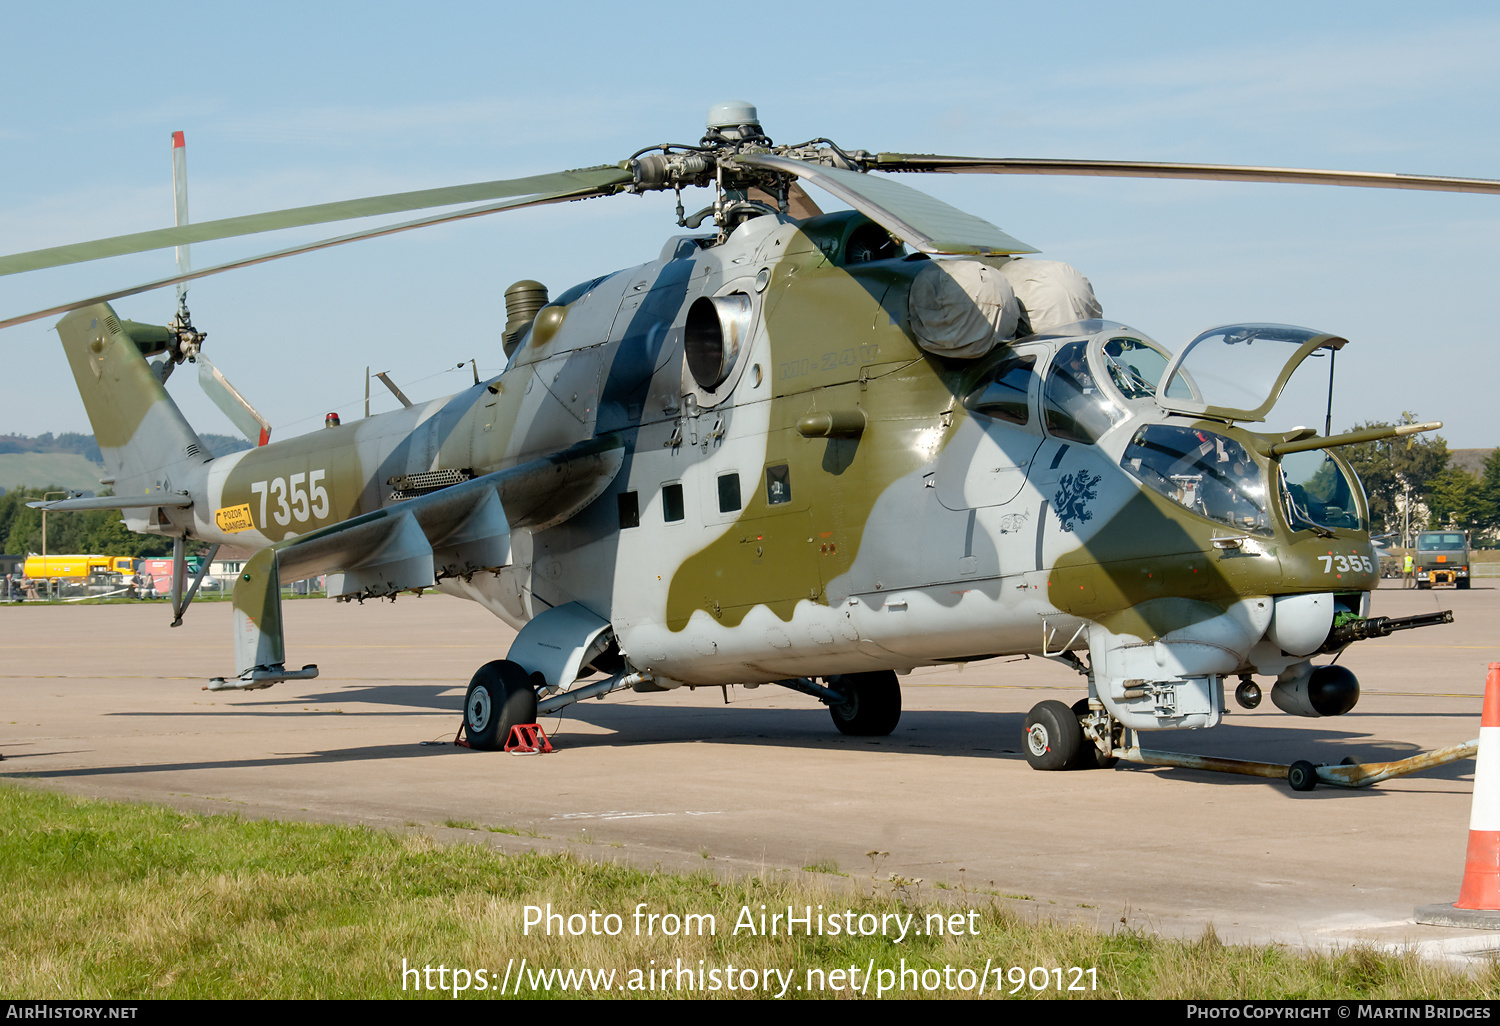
(796, 448)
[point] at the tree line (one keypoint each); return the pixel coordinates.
(85, 446)
(99, 532)
(96, 533)
(1415, 469)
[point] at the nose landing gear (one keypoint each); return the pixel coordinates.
(1060, 738)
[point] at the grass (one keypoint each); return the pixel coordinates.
(106, 900)
(829, 866)
(514, 831)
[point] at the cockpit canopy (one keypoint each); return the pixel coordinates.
(1238, 371)
(1319, 490)
(1090, 383)
(1208, 473)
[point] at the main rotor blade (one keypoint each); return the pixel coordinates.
(929, 224)
(369, 233)
(1201, 172)
(590, 180)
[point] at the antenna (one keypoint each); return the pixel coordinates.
(1328, 417)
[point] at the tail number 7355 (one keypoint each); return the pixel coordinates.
(292, 499)
(1347, 564)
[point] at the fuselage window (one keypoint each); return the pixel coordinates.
(1210, 474)
(1073, 407)
(1002, 394)
(1316, 490)
(672, 508)
(729, 493)
(630, 509)
(1135, 366)
(778, 485)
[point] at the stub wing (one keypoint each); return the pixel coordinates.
(459, 530)
(176, 500)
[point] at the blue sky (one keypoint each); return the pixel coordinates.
(290, 104)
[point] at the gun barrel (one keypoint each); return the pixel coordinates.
(1380, 627)
(1406, 623)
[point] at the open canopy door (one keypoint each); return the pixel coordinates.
(1238, 371)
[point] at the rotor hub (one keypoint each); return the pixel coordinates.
(733, 131)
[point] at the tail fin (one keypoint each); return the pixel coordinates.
(144, 439)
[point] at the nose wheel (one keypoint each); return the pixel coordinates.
(1060, 738)
(1054, 738)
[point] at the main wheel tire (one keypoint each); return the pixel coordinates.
(1053, 737)
(1089, 756)
(871, 705)
(500, 696)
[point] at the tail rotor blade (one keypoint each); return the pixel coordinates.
(179, 195)
(228, 398)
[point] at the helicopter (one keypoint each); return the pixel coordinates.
(806, 449)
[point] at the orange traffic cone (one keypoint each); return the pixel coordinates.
(1481, 889)
(1478, 902)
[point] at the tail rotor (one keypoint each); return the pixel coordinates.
(187, 341)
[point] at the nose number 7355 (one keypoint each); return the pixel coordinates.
(292, 499)
(1344, 564)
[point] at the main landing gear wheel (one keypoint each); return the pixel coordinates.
(1089, 756)
(871, 705)
(500, 696)
(1053, 737)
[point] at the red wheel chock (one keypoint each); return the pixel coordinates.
(527, 739)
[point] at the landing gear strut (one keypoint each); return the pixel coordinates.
(1096, 725)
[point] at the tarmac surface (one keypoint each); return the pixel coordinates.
(106, 701)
